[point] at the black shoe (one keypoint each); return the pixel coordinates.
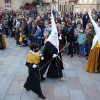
(71, 55)
(68, 54)
(28, 89)
(86, 58)
(42, 78)
(74, 52)
(42, 96)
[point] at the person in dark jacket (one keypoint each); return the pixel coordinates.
(70, 36)
(85, 19)
(30, 29)
(38, 36)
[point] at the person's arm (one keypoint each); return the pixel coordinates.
(78, 39)
(84, 39)
(37, 33)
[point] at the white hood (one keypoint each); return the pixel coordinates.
(53, 38)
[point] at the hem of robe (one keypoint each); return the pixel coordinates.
(92, 63)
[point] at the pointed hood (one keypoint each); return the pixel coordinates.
(53, 38)
(97, 30)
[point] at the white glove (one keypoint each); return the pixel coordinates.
(42, 58)
(55, 55)
(34, 66)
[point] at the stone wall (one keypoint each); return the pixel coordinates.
(15, 4)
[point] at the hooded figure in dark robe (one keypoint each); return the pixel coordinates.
(52, 66)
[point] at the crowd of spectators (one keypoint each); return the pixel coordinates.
(74, 29)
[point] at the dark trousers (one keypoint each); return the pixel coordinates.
(17, 37)
(76, 48)
(70, 48)
(1, 46)
(33, 81)
(6, 31)
(87, 49)
(38, 41)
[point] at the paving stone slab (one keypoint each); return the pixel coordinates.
(77, 95)
(16, 88)
(91, 91)
(61, 98)
(48, 92)
(12, 97)
(73, 84)
(28, 95)
(70, 73)
(60, 88)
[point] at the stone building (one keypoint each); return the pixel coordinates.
(12, 4)
(87, 5)
(73, 5)
(58, 5)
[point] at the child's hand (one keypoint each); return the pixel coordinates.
(41, 55)
(42, 58)
(34, 66)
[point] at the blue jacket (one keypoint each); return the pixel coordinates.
(30, 27)
(81, 38)
(38, 33)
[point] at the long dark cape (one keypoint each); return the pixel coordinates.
(33, 80)
(55, 65)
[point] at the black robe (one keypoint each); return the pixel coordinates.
(55, 65)
(33, 80)
(1, 46)
(99, 63)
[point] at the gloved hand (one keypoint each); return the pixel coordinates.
(42, 58)
(55, 55)
(34, 66)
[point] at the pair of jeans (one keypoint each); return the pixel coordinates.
(87, 49)
(81, 48)
(38, 41)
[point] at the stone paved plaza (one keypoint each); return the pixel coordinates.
(79, 84)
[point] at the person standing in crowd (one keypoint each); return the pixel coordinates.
(38, 35)
(85, 19)
(32, 33)
(6, 27)
(76, 33)
(90, 35)
(30, 29)
(70, 37)
(87, 30)
(17, 35)
(81, 41)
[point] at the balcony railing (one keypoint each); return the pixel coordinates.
(46, 1)
(72, 0)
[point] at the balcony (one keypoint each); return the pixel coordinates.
(72, 0)
(46, 1)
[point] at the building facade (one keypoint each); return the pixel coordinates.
(87, 5)
(73, 5)
(13, 4)
(57, 5)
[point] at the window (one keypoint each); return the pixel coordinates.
(85, 1)
(80, 1)
(60, 7)
(7, 3)
(90, 10)
(90, 1)
(84, 9)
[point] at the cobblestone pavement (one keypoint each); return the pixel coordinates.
(79, 84)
